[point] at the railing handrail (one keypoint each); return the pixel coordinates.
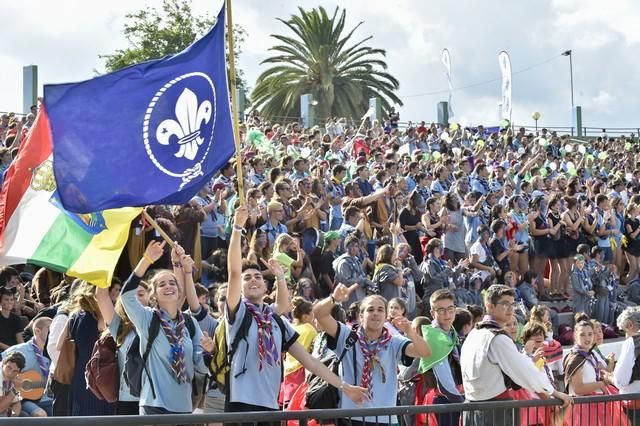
(275, 416)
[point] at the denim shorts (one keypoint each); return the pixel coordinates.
(30, 407)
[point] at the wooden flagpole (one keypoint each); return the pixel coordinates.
(158, 228)
(234, 105)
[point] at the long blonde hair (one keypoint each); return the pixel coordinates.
(126, 326)
(84, 299)
(281, 240)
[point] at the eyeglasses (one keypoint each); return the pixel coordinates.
(447, 310)
(508, 305)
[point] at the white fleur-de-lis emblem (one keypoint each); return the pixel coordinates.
(186, 128)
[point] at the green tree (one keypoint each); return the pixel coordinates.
(322, 60)
(153, 33)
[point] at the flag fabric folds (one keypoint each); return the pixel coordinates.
(446, 61)
(34, 228)
(151, 133)
(441, 346)
(505, 70)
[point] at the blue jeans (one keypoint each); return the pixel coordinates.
(30, 407)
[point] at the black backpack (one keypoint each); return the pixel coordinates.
(135, 364)
(320, 394)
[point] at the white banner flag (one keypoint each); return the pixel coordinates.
(446, 61)
(505, 69)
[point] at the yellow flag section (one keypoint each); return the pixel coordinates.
(99, 259)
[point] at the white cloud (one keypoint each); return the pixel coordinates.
(602, 102)
(65, 38)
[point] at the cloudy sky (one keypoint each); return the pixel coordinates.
(65, 37)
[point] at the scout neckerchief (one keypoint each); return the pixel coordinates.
(370, 352)
(267, 350)
(175, 337)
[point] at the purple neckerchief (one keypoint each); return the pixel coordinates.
(587, 355)
(42, 363)
(488, 322)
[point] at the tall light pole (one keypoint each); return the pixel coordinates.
(568, 53)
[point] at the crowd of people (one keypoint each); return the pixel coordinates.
(432, 263)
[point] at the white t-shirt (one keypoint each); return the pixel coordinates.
(478, 249)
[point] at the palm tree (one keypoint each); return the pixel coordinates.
(318, 61)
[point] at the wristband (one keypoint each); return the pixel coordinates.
(237, 228)
(280, 278)
(341, 387)
(147, 258)
(333, 299)
(177, 265)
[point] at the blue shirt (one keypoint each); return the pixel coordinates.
(248, 384)
(170, 395)
(411, 183)
(208, 228)
(384, 392)
(31, 361)
(438, 187)
(273, 231)
(365, 187)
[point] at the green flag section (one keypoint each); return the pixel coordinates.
(441, 346)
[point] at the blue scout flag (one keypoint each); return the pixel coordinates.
(151, 133)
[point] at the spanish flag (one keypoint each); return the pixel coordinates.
(35, 228)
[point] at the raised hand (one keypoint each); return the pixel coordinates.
(274, 267)
(340, 293)
(241, 216)
(402, 324)
(395, 228)
(207, 342)
(176, 252)
(187, 263)
(155, 250)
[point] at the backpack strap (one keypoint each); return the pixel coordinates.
(353, 338)
(242, 333)
(154, 328)
(189, 321)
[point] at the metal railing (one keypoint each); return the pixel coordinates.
(610, 410)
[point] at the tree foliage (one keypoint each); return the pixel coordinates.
(321, 59)
(154, 33)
